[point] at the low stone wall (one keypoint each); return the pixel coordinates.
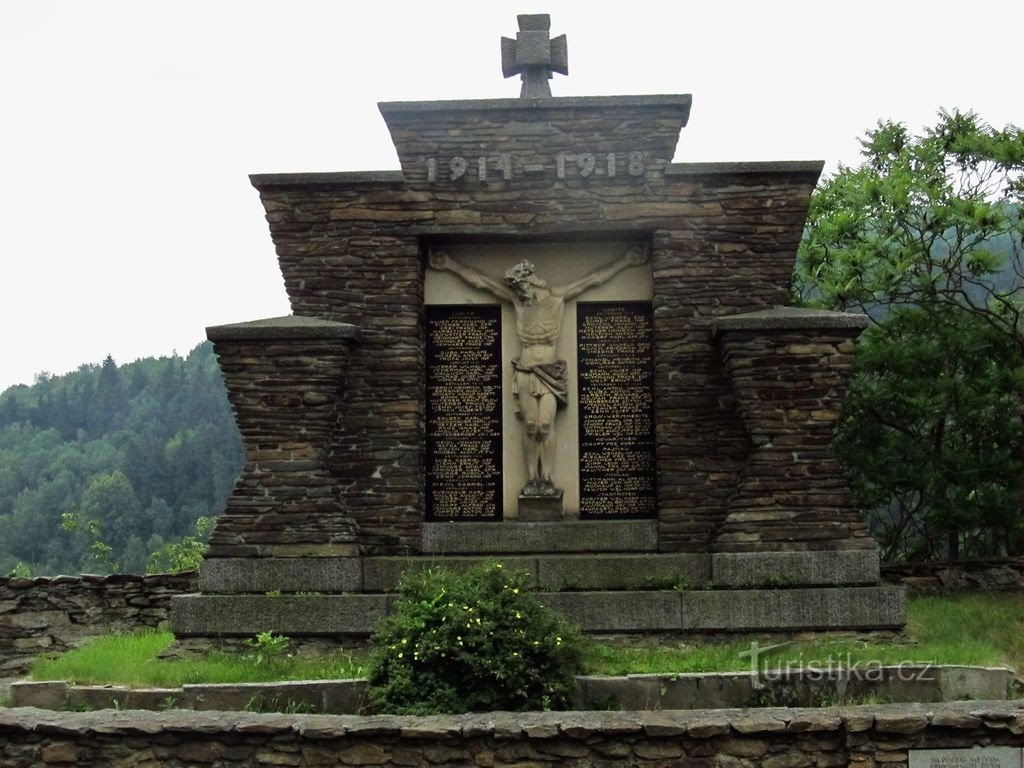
(47, 614)
(51, 614)
(865, 737)
(1005, 574)
(702, 690)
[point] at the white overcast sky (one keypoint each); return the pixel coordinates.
(127, 129)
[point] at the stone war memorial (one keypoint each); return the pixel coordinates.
(541, 341)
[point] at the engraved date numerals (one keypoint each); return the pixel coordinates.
(459, 167)
(580, 165)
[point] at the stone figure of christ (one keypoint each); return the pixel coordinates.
(540, 380)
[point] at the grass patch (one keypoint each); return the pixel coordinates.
(131, 660)
(983, 629)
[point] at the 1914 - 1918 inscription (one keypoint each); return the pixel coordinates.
(616, 410)
(464, 412)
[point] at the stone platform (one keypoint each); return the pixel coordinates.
(620, 590)
(606, 611)
(553, 572)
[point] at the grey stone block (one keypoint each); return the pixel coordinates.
(153, 698)
(285, 574)
(287, 327)
(338, 697)
(975, 683)
(899, 684)
(568, 536)
(787, 318)
(51, 694)
(616, 611)
(412, 108)
(381, 574)
(824, 568)
(540, 509)
(343, 178)
(793, 609)
(809, 167)
(622, 572)
(243, 615)
(707, 691)
(628, 693)
(95, 697)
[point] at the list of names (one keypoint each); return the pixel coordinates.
(464, 480)
(615, 354)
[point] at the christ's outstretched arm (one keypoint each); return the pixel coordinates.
(441, 261)
(633, 257)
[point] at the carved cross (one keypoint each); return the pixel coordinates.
(534, 55)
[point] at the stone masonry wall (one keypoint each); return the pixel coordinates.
(45, 615)
(352, 249)
(284, 391)
(792, 495)
(1002, 575)
(863, 737)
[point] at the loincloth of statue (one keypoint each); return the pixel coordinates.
(549, 378)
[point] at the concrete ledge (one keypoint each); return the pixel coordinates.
(263, 180)
(702, 690)
(623, 572)
(823, 608)
(682, 100)
(994, 717)
(569, 536)
(295, 615)
(617, 611)
(810, 167)
(788, 569)
(789, 318)
(556, 573)
(382, 574)
(285, 574)
(760, 610)
(287, 327)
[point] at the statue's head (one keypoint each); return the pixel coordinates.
(522, 279)
(520, 273)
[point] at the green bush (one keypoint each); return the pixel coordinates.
(472, 642)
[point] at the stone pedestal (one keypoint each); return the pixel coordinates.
(789, 368)
(540, 508)
(283, 377)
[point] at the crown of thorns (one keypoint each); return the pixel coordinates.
(519, 272)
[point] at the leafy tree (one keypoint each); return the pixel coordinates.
(925, 236)
(184, 555)
(142, 450)
(926, 438)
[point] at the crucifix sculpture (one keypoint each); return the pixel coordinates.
(534, 55)
(540, 382)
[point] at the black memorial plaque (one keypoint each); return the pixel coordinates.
(464, 412)
(615, 360)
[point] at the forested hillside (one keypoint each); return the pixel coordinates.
(144, 449)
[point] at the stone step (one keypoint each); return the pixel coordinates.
(806, 686)
(551, 572)
(563, 536)
(748, 610)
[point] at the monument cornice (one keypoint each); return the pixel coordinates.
(755, 167)
(782, 318)
(397, 108)
(336, 178)
(287, 327)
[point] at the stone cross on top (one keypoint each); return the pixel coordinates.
(534, 55)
